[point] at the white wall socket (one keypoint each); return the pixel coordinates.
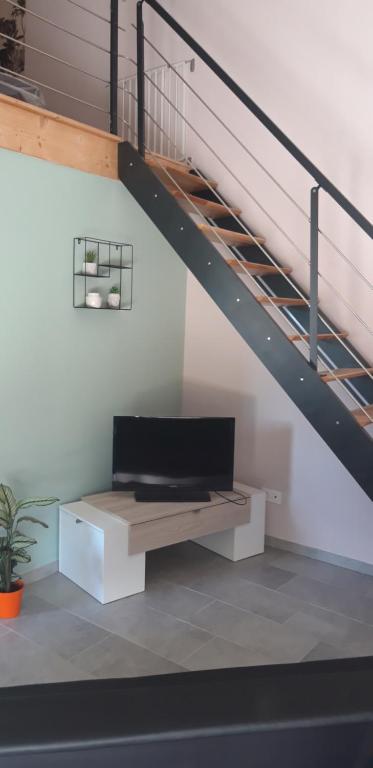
(275, 497)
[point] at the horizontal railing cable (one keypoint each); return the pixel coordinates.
(158, 66)
(345, 258)
(244, 227)
(261, 166)
(50, 88)
(53, 58)
(241, 263)
(94, 13)
(57, 26)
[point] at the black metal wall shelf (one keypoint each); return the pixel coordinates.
(112, 260)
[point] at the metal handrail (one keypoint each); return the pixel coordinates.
(244, 227)
(230, 252)
(268, 123)
(262, 167)
(321, 181)
(263, 249)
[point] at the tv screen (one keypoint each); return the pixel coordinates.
(193, 453)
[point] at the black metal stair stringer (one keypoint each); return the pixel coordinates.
(327, 414)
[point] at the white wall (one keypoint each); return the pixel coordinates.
(323, 507)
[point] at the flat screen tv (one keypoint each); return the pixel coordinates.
(173, 458)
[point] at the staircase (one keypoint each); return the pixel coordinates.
(310, 358)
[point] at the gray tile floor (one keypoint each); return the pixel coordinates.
(199, 611)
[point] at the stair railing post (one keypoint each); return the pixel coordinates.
(140, 81)
(114, 66)
(314, 274)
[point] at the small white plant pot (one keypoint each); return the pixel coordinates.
(89, 268)
(93, 300)
(113, 300)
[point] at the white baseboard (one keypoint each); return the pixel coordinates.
(320, 554)
(35, 574)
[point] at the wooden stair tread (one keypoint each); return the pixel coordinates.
(229, 237)
(178, 177)
(344, 373)
(320, 336)
(154, 159)
(256, 269)
(282, 301)
(362, 418)
(208, 208)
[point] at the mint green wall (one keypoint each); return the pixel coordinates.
(65, 372)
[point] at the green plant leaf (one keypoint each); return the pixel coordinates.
(39, 502)
(21, 557)
(20, 541)
(29, 519)
(8, 501)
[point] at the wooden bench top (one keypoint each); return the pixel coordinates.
(123, 504)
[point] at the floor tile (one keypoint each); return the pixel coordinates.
(267, 557)
(277, 641)
(117, 657)
(184, 555)
(157, 631)
(174, 599)
(222, 583)
(268, 603)
(56, 629)
(62, 592)
(333, 628)
(265, 575)
(181, 563)
(323, 651)
(23, 662)
(347, 602)
(325, 572)
(219, 653)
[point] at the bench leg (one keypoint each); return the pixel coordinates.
(124, 574)
(246, 540)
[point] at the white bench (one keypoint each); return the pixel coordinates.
(104, 538)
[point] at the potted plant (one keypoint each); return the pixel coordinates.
(89, 264)
(114, 297)
(93, 300)
(14, 544)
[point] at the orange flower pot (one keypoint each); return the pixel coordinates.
(10, 602)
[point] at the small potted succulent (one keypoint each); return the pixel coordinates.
(14, 545)
(114, 297)
(89, 264)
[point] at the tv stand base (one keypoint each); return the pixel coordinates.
(104, 538)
